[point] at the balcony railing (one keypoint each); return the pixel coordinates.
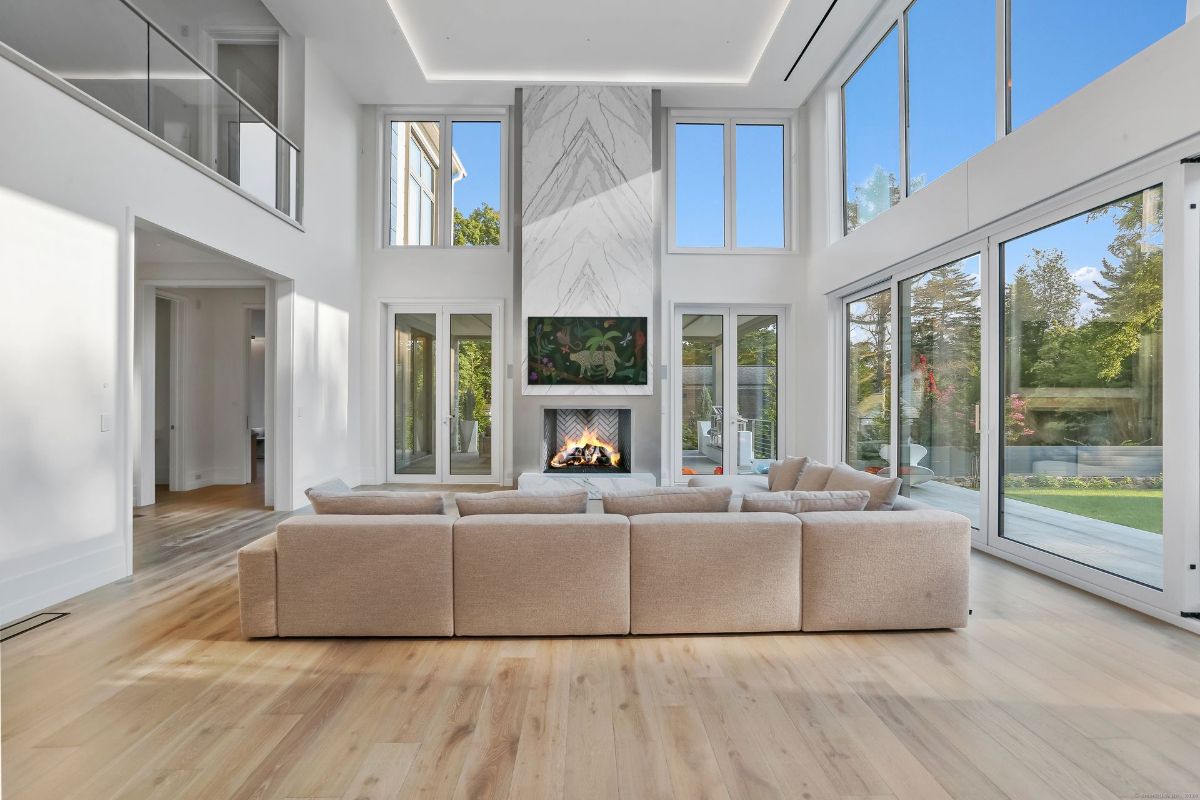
(113, 52)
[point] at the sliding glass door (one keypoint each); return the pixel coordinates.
(939, 389)
(726, 408)
(1082, 388)
(443, 393)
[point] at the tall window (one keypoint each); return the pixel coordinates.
(445, 184)
(1082, 381)
(869, 381)
(939, 363)
(1057, 48)
(951, 85)
(729, 184)
(871, 134)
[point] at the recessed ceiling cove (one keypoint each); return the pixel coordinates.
(609, 41)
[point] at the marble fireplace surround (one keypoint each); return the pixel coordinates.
(587, 226)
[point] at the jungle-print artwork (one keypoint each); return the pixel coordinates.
(587, 351)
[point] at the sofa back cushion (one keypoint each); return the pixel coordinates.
(328, 499)
(800, 502)
(522, 501)
(668, 500)
(782, 475)
(883, 490)
(813, 478)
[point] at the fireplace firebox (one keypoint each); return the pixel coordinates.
(595, 440)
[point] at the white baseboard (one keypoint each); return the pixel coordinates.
(53, 583)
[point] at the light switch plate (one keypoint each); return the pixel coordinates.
(105, 423)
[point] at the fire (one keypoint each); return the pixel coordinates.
(586, 450)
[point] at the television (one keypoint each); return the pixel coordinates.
(587, 351)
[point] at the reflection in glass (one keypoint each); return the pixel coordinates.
(757, 391)
(939, 339)
(1082, 388)
(699, 184)
(471, 385)
(703, 418)
(871, 134)
(415, 389)
(413, 183)
(759, 155)
(869, 381)
(475, 147)
(257, 157)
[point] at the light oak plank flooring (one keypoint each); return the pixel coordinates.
(147, 690)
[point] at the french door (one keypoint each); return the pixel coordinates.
(728, 387)
(444, 393)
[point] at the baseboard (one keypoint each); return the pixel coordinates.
(45, 586)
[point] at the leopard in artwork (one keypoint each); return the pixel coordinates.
(589, 360)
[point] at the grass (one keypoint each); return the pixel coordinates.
(1135, 508)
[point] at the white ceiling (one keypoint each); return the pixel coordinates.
(615, 41)
(395, 52)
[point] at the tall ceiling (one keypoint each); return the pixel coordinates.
(700, 52)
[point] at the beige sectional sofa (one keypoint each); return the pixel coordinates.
(549, 574)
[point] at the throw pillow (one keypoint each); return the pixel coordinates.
(883, 490)
(782, 475)
(668, 500)
(800, 502)
(814, 477)
(378, 502)
(522, 501)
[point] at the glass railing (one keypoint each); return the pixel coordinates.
(116, 54)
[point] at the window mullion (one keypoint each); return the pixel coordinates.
(1003, 68)
(730, 187)
(902, 54)
(445, 203)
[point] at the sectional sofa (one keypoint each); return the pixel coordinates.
(552, 574)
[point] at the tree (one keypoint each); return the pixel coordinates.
(482, 227)
(872, 197)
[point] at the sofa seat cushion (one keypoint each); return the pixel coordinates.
(883, 490)
(522, 501)
(867, 570)
(708, 573)
(365, 575)
(668, 500)
(799, 502)
(541, 575)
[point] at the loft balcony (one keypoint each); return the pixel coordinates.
(131, 69)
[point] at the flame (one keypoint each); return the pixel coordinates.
(587, 449)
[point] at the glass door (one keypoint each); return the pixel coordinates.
(443, 393)
(727, 400)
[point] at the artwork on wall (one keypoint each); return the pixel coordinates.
(587, 351)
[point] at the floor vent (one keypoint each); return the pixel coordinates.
(28, 624)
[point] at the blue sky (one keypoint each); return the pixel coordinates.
(1058, 46)
(478, 147)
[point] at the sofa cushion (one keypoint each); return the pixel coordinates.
(799, 502)
(375, 502)
(668, 500)
(814, 477)
(782, 475)
(541, 575)
(883, 490)
(522, 501)
(703, 573)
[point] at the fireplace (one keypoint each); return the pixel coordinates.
(595, 440)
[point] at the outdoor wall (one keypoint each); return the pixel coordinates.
(1125, 115)
(67, 246)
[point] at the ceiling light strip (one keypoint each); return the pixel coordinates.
(816, 30)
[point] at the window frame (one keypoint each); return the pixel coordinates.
(729, 120)
(444, 197)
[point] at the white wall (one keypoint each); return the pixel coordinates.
(67, 245)
(1128, 114)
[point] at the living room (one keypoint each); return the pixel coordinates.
(655, 400)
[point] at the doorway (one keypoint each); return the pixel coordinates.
(444, 395)
(728, 378)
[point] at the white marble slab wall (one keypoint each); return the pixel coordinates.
(587, 209)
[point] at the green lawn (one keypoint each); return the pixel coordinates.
(1137, 508)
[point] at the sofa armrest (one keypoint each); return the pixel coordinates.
(884, 570)
(257, 583)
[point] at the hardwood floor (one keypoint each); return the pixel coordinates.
(147, 690)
